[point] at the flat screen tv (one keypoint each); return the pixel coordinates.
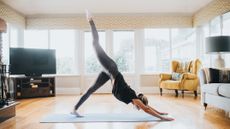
(32, 62)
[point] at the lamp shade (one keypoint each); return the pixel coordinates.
(217, 44)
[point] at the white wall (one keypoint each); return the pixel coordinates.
(68, 84)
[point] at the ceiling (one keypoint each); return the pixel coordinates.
(47, 7)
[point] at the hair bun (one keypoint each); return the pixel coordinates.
(140, 95)
(143, 98)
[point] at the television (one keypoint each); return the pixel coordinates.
(32, 62)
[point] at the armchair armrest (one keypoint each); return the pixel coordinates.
(189, 76)
(165, 76)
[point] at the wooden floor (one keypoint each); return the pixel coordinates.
(187, 111)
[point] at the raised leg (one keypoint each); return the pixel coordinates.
(176, 91)
(103, 58)
(161, 91)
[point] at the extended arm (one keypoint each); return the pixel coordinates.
(150, 110)
(161, 113)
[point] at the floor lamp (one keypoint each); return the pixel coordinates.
(218, 45)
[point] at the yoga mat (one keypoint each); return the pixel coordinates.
(121, 117)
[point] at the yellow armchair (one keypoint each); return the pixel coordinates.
(188, 80)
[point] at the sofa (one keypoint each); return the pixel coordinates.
(214, 93)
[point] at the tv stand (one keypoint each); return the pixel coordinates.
(33, 75)
(31, 86)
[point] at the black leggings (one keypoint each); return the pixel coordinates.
(108, 64)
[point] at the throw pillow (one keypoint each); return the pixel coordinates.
(214, 75)
(176, 76)
(224, 76)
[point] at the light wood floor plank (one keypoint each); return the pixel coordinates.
(187, 111)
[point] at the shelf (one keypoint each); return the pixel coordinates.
(10, 105)
(30, 87)
(8, 111)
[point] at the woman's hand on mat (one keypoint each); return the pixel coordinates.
(163, 113)
(167, 119)
(88, 15)
(74, 112)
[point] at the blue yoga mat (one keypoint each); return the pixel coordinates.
(114, 117)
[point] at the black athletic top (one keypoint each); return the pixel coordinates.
(122, 91)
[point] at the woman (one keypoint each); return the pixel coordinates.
(120, 90)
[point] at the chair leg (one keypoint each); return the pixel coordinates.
(205, 106)
(195, 93)
(176, 91)
(161, 91)
(182, 93)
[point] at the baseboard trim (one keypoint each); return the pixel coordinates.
(149, 90)
(67, 91)
(155, 90)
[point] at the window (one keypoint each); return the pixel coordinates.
(215, 28)
(156, 50)
(183, 44)
(226, 31)
(36, 39)
(206, 58)
(92, 64)
(13, 37)
(123, 50)
(63, 41)
(226, 24)
(5, 48)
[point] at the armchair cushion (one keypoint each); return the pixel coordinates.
(224, 90)
(170, 84)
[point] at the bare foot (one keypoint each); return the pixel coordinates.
(74, 112)
(88, 15)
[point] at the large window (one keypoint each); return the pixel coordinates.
(63, 41)
(5, 48)
(215, 28)
(226, 31)
(36, 39)
(226, 24)
(156, 50)
(92, 64)
(183, 44)
(123, 50)
(206, 58)
(13, 37)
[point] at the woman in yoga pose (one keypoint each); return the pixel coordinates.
(121, 90)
